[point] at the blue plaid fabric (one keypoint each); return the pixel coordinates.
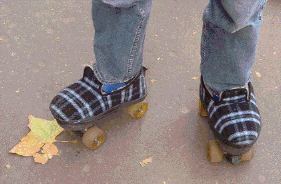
(234, 119)
(85, 100)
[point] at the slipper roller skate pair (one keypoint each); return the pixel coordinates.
(233, 114)
(235, 121)
(78, 106)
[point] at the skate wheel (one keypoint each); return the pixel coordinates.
(247, 156)
(202, 110)
(137, 110)
(93, 138)
(214, 153)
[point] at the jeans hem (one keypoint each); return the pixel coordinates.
(103, 81)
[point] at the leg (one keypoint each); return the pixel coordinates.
(229, 40)
(228, 48)
(119, 38)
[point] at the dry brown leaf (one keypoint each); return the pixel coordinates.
(258, 74)
(29, 145)
(146, 161)
(153, 80)
(50, 149)
(194, 78)
(40, 158)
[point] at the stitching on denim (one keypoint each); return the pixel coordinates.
(134, 47)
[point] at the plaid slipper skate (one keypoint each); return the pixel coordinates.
(233, 117)
(78, 105)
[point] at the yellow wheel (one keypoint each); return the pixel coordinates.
(93, 138)
(247, 156)
(202, 110)
(137, 110)
(214, 153)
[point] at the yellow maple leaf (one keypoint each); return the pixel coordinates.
(46, 130)
(29, 145)
(42, 135)
(50, 149)
(40, 158)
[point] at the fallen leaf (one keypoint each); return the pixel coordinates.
(29, 145)
(42, 135)
(46, 130)
(50, 149)
(194, 78)
(40, 158)
(8, 166)
(258, 74)
(146, 161)
(153, 80)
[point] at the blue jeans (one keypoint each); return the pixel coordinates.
(228, 44)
